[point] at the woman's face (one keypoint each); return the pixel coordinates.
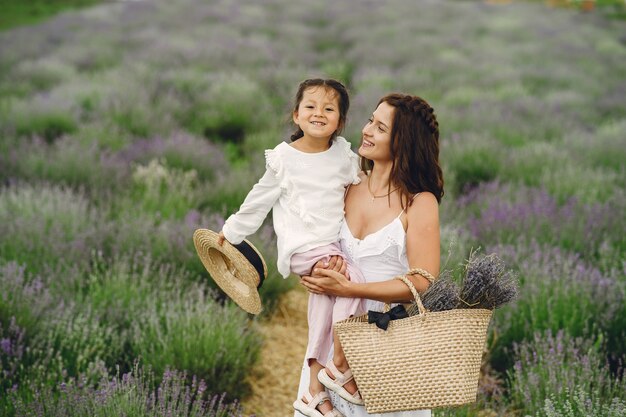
(376, 139)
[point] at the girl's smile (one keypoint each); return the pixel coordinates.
(318, 113)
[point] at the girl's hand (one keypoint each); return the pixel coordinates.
(336, 263)
(220, 238)
(328, 282)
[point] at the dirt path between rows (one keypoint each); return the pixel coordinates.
(276, 377)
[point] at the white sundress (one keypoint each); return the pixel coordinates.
(380, 256)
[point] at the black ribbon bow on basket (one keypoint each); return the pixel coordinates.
(382, 319)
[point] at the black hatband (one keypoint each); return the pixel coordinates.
(253, 257)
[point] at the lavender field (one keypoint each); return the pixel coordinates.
(126, 126)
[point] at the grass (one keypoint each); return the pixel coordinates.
(18, 13)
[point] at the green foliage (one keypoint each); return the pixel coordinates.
(558, 291)
(228, 108)
(472, 165)
(23, 300)
(38, 75)
(577, 403)
(75, 343)
(229, 191)
(67, 161)
(561, 375)
(169, 320)
(589, 185)
(16, 13)
(132, 394)
(42, 225)
(201, 337)
(604, 147)
(134, 121)
(163, 191)
(48, 126)
(463, 411)
(526, 164)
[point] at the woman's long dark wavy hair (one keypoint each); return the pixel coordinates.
(330, 84)
(414, 148)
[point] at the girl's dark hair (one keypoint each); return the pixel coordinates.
(340, 90)
(414, 148)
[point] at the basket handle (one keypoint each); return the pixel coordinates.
(409, 284)
(423, 273)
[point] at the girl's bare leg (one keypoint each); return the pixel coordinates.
(316, 386)
(339, 359)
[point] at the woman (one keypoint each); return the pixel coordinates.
(392, 218)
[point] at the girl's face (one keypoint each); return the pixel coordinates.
(376, 140)
(318, 113)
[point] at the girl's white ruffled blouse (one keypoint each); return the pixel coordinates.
(305, 191)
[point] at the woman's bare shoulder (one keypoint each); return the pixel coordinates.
(425, 197)
(425, 207)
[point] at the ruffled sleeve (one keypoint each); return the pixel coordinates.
(353, 159)
(273, 162)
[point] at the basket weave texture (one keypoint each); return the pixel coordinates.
(424, 361)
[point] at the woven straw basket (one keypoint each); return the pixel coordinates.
(428, 360)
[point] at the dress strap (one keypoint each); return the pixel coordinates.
(404, 209)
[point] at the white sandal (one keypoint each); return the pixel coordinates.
(309, 408)
(336, 385)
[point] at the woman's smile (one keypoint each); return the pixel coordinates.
(367, 143)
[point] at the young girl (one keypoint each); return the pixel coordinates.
(304, 184)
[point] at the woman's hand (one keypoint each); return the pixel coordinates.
(327, 282)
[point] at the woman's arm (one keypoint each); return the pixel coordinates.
(423, 251)
(423, 245)
(333, 283)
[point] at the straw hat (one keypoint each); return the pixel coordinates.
(239, 270)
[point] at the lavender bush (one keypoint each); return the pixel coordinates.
(199, 336)
(561, 375)
(131, 394)
(12, 346)
(165, 316)
(499, 213)
(163, 191)
(47, 224)
(558, 290)
(68, 161)
(24, 299)
(180, 150)
(74, 342)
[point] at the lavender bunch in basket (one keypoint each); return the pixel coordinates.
(442, 295)
(487, 283)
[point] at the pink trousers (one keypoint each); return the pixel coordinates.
(324, 310)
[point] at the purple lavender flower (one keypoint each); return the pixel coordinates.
(487, 283)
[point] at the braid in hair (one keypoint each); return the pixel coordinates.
(420, 107)
(428, 115)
